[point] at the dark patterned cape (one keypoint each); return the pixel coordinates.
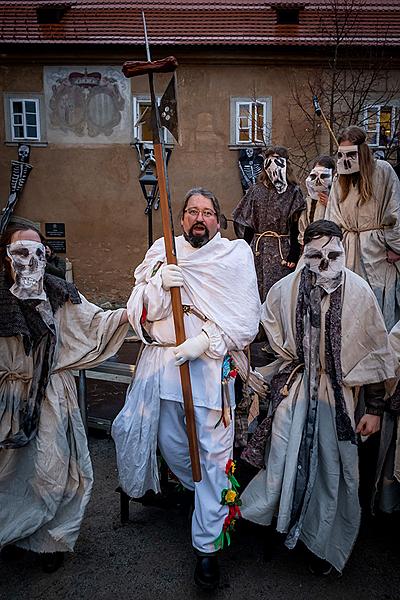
(263, 209)
(21, 318)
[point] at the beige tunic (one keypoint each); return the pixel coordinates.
(370, 228)
(45, 486)
(332, 516)
(305, 220)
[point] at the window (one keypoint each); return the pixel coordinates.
(24, 119)
(381, 123)
(288, 16)
(51, 15)
(142, 121)
(250, 121)
(23, 115)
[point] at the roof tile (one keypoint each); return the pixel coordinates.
(199, 22)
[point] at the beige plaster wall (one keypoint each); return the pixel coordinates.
(94, 189)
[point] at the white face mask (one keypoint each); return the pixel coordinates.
(319, 180)
(347, 160)
(275, 168)
(325, 257)
(28, 260)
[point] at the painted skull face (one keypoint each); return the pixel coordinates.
(275, 168)
(23, 152)
(319, 180)
(347, 160)
(28, 260)
(325, 257)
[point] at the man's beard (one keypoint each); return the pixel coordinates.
(196, 240)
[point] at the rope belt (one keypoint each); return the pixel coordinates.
(362, 229)
(187, 309)
(13, 376)
(272, 234)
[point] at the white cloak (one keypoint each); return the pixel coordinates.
(220, 282)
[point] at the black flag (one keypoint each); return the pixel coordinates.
(169, 109)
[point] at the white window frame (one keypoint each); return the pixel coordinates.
(394, 106)
(24, 124)
(38, 100)
(265, 104)
(137, 128)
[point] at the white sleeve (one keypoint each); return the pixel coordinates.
(156, 300)
(220, 343)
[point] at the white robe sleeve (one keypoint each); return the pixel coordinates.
(88, 335)
(157, 300)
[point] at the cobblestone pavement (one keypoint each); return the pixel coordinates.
(150, 558)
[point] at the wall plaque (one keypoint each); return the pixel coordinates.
(54, 229)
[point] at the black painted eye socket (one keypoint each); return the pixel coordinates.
(334, 255)
(313, 176)
(313, 255)
(352, 155)
(340, 154)
(23, 252)
(324, 176)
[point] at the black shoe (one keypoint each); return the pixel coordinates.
(317, 566)
(51, 561)
(206, 574)
(11, 552)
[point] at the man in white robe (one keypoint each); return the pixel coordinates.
(219, 288)
(328, 344)
(45, 470)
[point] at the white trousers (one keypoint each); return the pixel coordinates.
(215, 449)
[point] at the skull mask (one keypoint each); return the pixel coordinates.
(23, 152)
(347, 160)
(28, 261)
(325, 257)
(319, 180)
(275, 168)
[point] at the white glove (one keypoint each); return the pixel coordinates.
(171, 276)
(191, 348)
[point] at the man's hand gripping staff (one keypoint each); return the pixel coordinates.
(133, 69)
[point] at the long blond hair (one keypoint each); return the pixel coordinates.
(363, 180)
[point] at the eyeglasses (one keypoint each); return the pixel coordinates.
(207, 212)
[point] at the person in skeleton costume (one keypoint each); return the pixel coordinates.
(208, 271)
(319, 183)
(391, 430)
(250, 165)
(365, 203)
(46, 329)
(267, 217)
(327, 344)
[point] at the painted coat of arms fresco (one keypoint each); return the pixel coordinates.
(87, 102)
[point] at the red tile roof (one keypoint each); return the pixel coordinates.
(198, 22)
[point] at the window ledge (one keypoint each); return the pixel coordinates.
(28, 143)
(244, 146)
(151, 145)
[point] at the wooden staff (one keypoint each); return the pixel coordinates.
(133, 69)
(319, 113)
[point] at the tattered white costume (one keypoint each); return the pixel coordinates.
(46, 484)
(369, 229)
(220, 283)
(329, 519)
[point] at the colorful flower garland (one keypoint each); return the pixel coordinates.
(229, 497)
